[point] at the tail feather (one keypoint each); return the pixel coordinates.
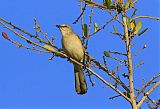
(80, 82)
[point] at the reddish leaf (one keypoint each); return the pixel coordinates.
(5, 35)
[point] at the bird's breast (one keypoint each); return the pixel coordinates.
(73, 47)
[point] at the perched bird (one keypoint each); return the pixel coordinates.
(73, 48)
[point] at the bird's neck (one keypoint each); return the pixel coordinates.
(67, 34)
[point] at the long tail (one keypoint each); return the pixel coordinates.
(80, 82)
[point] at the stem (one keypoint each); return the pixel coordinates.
(129, 58)
(147, 93)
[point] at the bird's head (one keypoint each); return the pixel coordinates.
(65, 29)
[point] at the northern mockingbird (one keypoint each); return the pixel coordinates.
(72, 46)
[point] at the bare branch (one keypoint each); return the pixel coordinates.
(102, 26)
(137, 65)
(147, 84)
(147, 93)
(149, 17)
(139, 51)
(80, 14)
(115, 52)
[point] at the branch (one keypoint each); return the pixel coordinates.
(109, 73)
(62, 55)
(83, 9)
(147, 93)
(25, 32)
(116, 18)
(149, 17)
(20, 35)
(129, 58)
(147, 84)
(90, 3)
(102, 26)
(139, 51)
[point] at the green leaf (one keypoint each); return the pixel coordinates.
(95, 27)
(127, 5)
(85, 30)
(28, 41)
(107, 54)
(137, 27)
(108, 3)
(142, 32)
(128, 22)
(131, 24)
(19, 45)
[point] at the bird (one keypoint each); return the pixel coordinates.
(73, 48)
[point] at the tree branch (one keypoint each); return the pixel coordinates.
(147, 84)
(147, 93)
(130, 67)
(61, 54)
(149, 17)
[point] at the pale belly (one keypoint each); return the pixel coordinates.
(73, 47)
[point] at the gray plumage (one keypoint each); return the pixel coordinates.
(72, 46)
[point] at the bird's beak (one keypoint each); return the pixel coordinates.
(58, 26)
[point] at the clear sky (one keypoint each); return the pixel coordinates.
(29, 80)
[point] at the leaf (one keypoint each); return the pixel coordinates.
(127, 5)
(85, 30)
(49, 48)
(138, 27)
(28, 41)
(107, 54)
(5, 35)
(131, 24)
(49, 58)
(95, 27)
(108, 3)
(142, 32)
(131, 3)
(19, 45)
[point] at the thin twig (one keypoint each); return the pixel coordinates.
(147, 93)
(38, 29)
(137, 65)
(116, 17)
(139, 51)
(80, 14)
(102, 27)
(119, 60)
(115, 52)
(147, 84)
(149, 17)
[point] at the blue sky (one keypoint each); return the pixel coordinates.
(29, 80)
